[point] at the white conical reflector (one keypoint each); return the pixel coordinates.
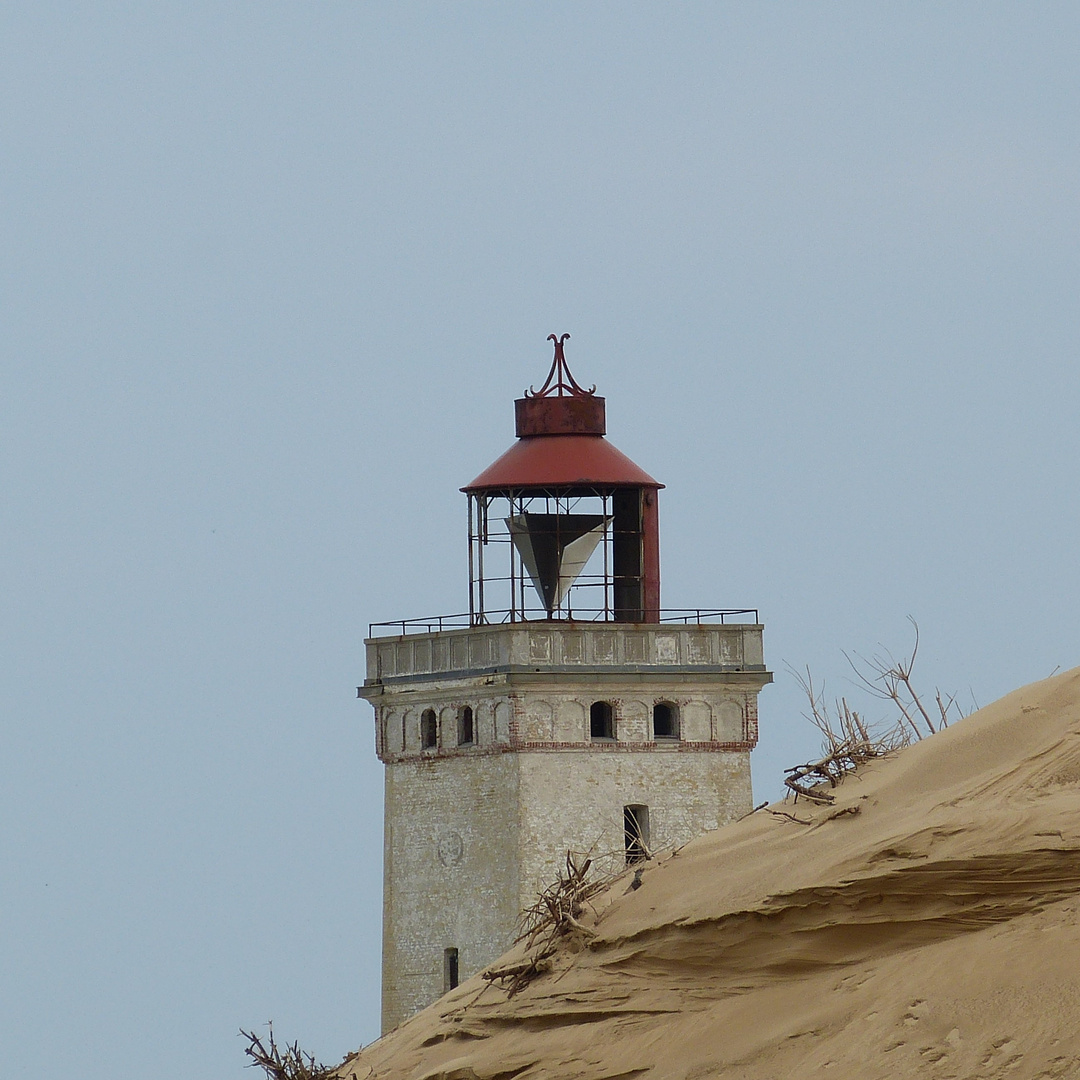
(574, 557)
(554, 549)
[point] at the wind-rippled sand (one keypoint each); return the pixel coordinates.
(924, 925)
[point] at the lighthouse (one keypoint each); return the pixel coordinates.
(565, 710)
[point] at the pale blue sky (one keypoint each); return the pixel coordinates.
(270, 278)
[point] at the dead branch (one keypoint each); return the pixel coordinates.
(287, 1063)
(791, 817)
(846, 756)
(794, 783)
(902, 672)
(515, 977)
(945, 706)
(555, 916)
(848, 742)
(556, 910)
(760, 806)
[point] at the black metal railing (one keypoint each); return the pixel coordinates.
(436, 623)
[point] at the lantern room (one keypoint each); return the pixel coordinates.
(563, 526)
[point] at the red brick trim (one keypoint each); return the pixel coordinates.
(612, 747)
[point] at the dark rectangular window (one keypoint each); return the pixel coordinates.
(636, 831)
(450, 970)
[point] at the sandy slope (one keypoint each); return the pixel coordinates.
(932, 930)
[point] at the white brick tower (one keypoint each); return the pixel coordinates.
(566, 710)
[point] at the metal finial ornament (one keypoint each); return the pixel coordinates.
(564, 385)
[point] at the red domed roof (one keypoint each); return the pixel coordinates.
(561, 461)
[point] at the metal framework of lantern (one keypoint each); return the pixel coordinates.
(563, 526)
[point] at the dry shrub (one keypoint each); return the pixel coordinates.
(847, 740)
(890, 679)
(554, 918)
(282, 1063)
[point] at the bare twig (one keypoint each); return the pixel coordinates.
(791, 817)
(760, 806)
(886, 677)
(287, 1063)
(552, 918)
(944, 706)
(515, 977)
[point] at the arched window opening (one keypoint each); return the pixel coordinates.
(636, 831)
(601, 720)
(429, 730)
(465, 726)
(665, 720)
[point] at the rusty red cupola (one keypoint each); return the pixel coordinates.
(560, 406)
(563, 501)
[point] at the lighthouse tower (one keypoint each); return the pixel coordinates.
(565, 711)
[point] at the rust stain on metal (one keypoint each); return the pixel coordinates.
(561, 460)
(561, 406)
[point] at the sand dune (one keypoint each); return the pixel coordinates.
(925, 925)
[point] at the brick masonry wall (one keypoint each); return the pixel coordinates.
(574, 800)
(450, 872)
(472, 832)
(720, 719)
